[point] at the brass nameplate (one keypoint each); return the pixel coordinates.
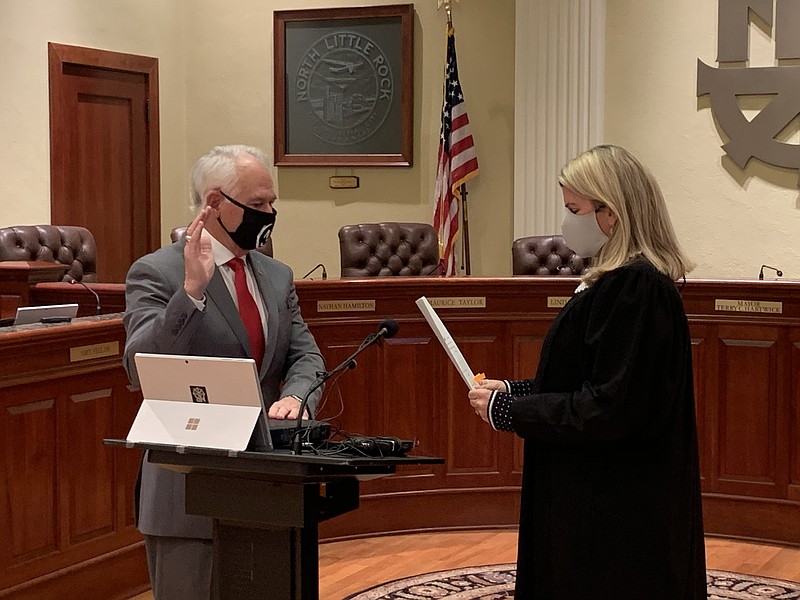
(458, 302)
(79, 353)
(557, 301)
(345, 305)
(343, 182)
(754, 306)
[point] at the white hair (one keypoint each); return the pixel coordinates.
(217, 169)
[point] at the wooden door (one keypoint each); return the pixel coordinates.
(104, 152)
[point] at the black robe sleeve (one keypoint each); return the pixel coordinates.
(614, 367)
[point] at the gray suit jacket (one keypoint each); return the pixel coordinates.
(161, 318)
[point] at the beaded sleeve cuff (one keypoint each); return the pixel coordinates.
(500, 411)
(523, 387)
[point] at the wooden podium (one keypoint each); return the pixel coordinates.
(266, 508)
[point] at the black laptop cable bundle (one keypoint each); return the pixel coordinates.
(378, 446)
(387, 329)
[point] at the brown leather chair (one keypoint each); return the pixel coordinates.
(67, 244)
(388, 249)
(546, 255)
(177, 233)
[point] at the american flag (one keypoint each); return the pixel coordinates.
(457, 161)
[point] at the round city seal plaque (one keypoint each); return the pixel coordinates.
(346, 83)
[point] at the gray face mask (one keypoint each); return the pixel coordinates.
(582, 234)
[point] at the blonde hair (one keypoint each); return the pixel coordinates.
(612, 176)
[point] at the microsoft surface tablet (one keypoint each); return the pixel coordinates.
(34, 314)
(208, 402)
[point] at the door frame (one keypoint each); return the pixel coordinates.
(61, 54)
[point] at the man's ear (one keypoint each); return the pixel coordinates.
(213, 199)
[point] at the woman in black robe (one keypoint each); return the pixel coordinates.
(611, 485)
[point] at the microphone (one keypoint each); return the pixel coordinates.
(387, 329)
(73, 281)
(324, 272)
(778, 272)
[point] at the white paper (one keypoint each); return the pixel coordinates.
(447, 342)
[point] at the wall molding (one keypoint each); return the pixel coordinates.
(559, 102)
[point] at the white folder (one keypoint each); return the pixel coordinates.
(447, 341)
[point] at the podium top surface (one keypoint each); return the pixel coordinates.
(275, 463)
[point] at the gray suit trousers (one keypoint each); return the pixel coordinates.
(180, 568)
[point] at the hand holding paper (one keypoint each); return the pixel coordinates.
(491, 384)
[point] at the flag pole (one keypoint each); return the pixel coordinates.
(457, 162)
(465, 217)
(468, 270)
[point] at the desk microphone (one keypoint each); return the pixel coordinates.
(761, 272)
(73, 281)
(387, 329)
(324, 272)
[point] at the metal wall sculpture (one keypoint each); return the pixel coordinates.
(755, 138)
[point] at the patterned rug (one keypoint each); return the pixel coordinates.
(497, 581)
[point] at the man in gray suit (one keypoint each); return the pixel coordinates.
(195, 297)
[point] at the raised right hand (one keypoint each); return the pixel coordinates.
(197, 257)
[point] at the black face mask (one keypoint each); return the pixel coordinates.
(255, 228)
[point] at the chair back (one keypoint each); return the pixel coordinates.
(388, 249)
(69, 245)
(546, 255)
(178, 233)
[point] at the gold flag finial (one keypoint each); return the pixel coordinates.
(447, 8)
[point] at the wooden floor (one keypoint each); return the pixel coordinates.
(347, 567)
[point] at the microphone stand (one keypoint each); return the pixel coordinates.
(324, 272)
(778, 272)
(73, 281)
(322, 377)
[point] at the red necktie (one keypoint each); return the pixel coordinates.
(248, 310)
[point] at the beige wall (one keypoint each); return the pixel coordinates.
(731, 221)
(145, 27)
(215, 67)
(215, 63)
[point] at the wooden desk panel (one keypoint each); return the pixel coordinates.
(746, 386)
(111, 296)
(71, 502)
(17, 277)
(66, 512)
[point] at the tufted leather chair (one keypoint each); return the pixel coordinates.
(546, 255)
(388, 249)
(67, 244)
(177, 233)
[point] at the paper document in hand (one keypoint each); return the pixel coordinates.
(447, 342)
